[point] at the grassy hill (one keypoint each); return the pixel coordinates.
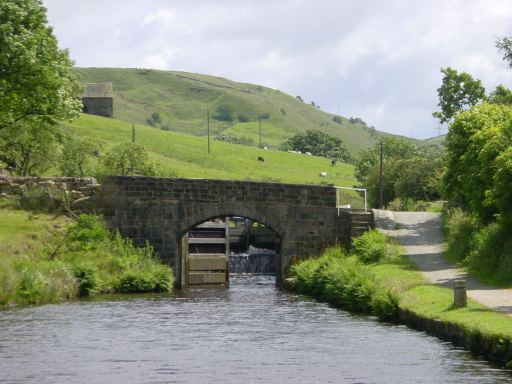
(182, 99)
(184, 155)
(439, 140)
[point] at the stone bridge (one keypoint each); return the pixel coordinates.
(162, 211)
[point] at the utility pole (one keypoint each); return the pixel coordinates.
(260, 131)
(208, 123)
(380, 176)
(133, 133)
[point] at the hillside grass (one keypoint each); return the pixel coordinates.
(182, 155)
(182, 100)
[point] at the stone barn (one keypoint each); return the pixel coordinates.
(98, 99)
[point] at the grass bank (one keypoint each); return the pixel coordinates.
(376, 278)
(49, 258)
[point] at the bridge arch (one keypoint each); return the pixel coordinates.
(162, 210)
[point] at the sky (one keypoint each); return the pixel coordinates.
(379, 60)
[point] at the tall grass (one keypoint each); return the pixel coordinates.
(44, 258)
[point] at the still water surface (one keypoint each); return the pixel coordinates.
(249, 333)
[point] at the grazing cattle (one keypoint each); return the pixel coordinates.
(308, 153)
(261, 159)
(333, 161)
(323, 175)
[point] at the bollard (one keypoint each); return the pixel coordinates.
(459, 294)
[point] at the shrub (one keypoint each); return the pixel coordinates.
(370, 247)
(88, 231)
(88, 280)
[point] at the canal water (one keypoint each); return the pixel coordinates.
(249, 333)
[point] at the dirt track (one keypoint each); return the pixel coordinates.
(420, 234)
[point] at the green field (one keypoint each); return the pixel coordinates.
(182, 155)
(182, 100)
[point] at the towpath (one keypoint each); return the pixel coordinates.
(420, 234)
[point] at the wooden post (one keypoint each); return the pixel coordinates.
(133, 133)
(459, 294)
(208, 122)
(380, 176)
(260, 131)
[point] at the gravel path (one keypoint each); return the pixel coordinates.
(420, 235)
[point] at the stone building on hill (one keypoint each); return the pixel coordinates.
(98, 99)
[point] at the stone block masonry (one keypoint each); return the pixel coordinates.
(162, 210)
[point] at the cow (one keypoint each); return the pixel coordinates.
(333, 161)
(323, 175)
(261, 159)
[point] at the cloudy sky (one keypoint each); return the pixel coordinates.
(379, 60)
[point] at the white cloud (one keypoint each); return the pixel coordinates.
(378, 60)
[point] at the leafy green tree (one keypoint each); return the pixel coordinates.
(478, 145)
(318, 143)
(394, 148)
(457, 92)
(504, 45)
(224, 112)
(501, 95)
(28, 147)
(36, 79)
(129, 159)
(77, 154)
(156, 117)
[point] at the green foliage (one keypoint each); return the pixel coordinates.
(77, 154)
(242, 117)
(318, 143)
(88, 280)
(457, 92)
(129, 159)
(501, 95)
(36, 79)
(504, 45)
(88, 231)
(28, 146)
(283, 111)
(357, 120)
(156, 117)
(345, 282)
(371, 247)
(89, 261)
(336, 119)
(478, 164)
(409, 173)
(224, 112)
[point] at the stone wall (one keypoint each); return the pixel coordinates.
(163, 210)
(78, 190)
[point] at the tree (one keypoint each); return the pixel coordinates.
(504, 45)
(35, 76)
(457, 93)
(478, 154)
(318, 143)
(77, 153)
(224, 112)
(129, 159)
(394, 148)
(28, 147)
(501, 95)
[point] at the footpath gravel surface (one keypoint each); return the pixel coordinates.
(420, 234)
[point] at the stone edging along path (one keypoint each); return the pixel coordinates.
(420, 235)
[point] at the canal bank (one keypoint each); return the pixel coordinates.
(394, 290)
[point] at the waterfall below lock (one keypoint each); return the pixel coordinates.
(254, 260)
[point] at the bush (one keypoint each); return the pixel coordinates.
(370, 247)
(88, 280)
(88, 231)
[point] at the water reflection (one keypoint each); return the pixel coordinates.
(250, 332)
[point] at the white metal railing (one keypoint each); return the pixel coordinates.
(338, 200)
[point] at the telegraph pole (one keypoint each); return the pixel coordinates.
(260, 131)
(380, 176)
(208, 123)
